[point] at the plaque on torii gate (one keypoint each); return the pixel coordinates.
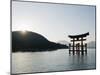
(79, 46)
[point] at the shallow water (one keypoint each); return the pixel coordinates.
(59, 60)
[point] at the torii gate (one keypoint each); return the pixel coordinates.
(78, 46)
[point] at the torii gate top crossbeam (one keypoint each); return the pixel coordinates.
(79, 36)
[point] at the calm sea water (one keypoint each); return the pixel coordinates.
(59, 60)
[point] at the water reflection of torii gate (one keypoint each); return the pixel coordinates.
(80, 46)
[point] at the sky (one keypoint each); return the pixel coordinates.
(54, 21)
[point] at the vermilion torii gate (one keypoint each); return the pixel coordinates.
(80, 46)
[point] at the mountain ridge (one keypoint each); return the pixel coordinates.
(91, 44)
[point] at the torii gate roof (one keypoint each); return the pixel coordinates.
(79, 36)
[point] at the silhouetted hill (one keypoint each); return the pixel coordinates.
(31, 41)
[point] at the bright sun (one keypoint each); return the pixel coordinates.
(23, 31)
(23, 27)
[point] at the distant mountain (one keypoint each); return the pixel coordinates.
(91, 44)
(63, 42)
(31, 41)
